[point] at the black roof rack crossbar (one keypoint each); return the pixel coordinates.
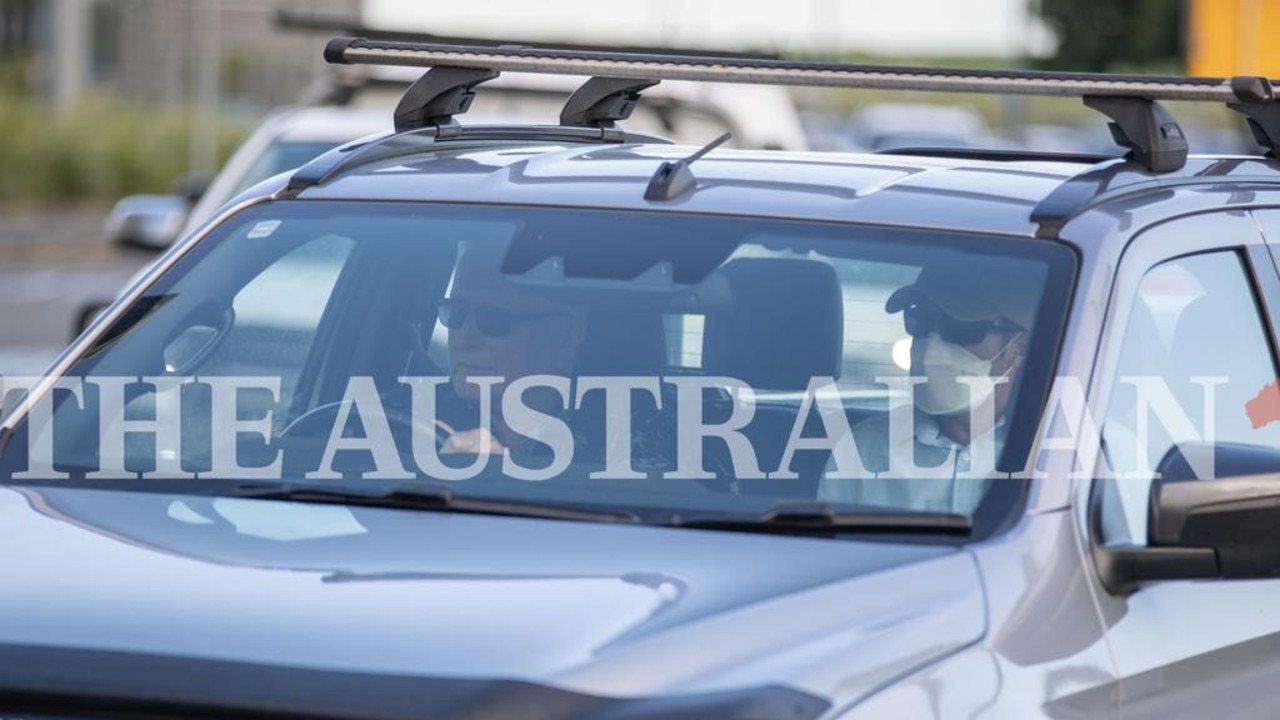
(438, 95)
(601, 102)
(611, 63)
(1153, 137)
(315, 22)
(1139, 123)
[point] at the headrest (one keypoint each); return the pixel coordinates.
(784, 326)
(621, 342)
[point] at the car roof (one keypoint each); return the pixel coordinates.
(588, 162)
(962, 194)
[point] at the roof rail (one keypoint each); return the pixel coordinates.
(1138, 121)
(998, 154)
(1108, 181)
(387, 146)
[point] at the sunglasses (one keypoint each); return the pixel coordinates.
(491, 321)
(920, 320)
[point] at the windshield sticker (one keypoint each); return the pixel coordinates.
(264, 229)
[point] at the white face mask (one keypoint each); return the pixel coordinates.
(943, 363)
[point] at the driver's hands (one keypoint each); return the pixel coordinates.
(469, 442)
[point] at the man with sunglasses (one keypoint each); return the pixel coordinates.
(500, 329)
(969, 323)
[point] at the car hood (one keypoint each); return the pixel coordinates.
(612, 610)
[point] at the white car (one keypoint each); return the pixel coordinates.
(761, 117)
(284, 140)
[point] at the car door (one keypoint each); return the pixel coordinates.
(1192, 315)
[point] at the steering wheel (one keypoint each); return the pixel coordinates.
(319, 420)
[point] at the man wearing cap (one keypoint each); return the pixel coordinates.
(969, 322)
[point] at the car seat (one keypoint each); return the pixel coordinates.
(784, 326)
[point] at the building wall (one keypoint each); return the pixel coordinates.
(157, 50)
(918, 28)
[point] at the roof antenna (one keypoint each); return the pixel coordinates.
(674, 179)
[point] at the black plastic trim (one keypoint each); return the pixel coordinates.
(1093, 187)
(70, 680)
(438, 95)
(1153, 137)
(600, 102)
(998, 155)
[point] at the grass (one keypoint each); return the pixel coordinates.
(102, 150)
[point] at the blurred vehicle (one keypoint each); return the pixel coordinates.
(284, 140)
(892, 126)
(758, 116)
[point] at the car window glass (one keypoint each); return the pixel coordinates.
(277, 313)
(1195, 322)
(793, 328)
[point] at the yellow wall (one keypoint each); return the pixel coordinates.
(1234, 37)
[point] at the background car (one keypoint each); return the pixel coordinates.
(354, 104)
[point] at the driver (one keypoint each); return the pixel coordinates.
(500, 328)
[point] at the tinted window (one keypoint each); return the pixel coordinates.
(728, 357)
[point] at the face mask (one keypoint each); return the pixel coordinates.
(943, 363)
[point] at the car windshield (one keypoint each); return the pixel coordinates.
(602, 358)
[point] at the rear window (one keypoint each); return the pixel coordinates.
(622, 358)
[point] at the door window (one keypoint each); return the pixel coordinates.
(1195, 365)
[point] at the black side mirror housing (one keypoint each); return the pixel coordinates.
(1214, 514)
(1238, 518)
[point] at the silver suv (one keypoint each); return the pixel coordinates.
(567, 421)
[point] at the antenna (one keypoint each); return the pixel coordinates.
(674, 179)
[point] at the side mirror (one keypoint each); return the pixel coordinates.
(150, 221)
(1238, 519)
(1214, 514)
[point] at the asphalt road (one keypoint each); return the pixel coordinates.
(51, 264)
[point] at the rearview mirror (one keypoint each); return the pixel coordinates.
(85, 315)
(151, 221)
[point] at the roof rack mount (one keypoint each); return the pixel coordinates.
(601, 102)
(438, 95)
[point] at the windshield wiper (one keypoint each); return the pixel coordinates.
(427, 497)
(824, 519)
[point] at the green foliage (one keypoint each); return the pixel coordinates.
(1116, 35)
(104, 149)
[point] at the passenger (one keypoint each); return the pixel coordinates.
(962, 324)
